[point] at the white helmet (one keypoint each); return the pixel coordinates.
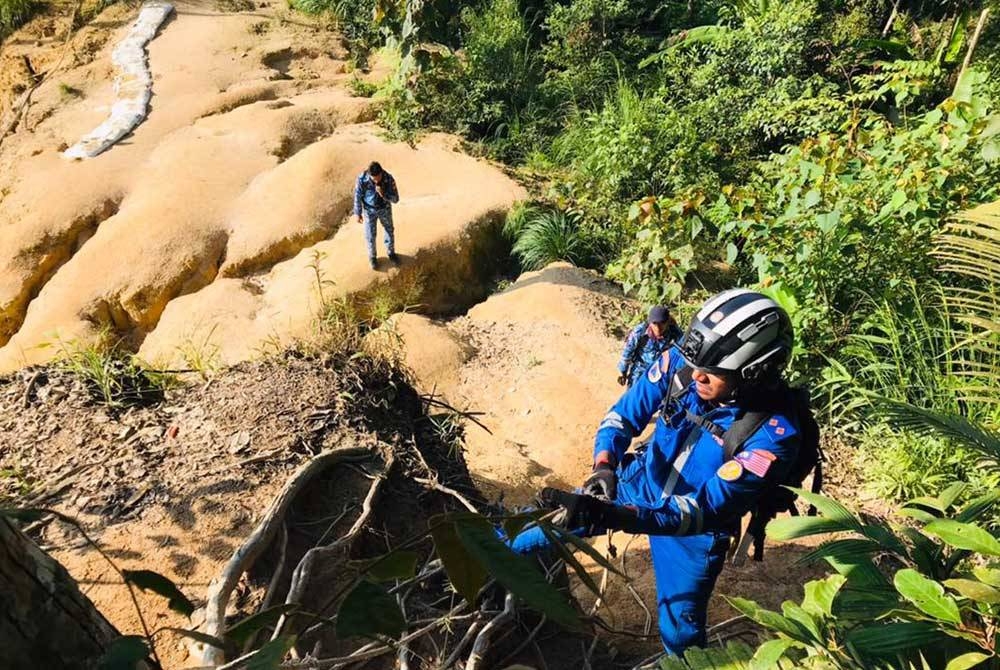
(740, 332)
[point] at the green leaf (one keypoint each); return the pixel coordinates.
(975, 590)
(952, 493)
(369, 610)
(828, 221)
(964, 536)
(804, 619)
(586, 548)
(125, 653)
(771, 620)
(245, 629)
(819, 595)
(270, 656)
(849, 549)
(467, 575)
(794, 527)
(398, 564)
(989, 576)
(966, 661)
(570, 559)
(928, 595)
(767, 655)
(917, 513)
(517, 573)
(830, 509)
(732, 252)
(892, 638)
(147, 580)
(811, 199)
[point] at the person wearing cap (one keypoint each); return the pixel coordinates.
(645, 343)
(374, 194)
(680, 488)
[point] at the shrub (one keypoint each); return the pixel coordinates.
(15, 13)
(544, 235)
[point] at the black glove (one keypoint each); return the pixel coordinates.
(603, 483)
(582, 511)
(622, 379)
(592, 514)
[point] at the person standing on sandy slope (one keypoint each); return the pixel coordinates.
(374, 194)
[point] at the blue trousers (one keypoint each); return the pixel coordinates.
(685, 567)
(385, 216)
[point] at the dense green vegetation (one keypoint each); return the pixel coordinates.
(14, 13)
(827, 153)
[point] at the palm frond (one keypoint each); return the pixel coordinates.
(928, 422)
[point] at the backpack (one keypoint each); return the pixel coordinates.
(640, 345)
(793, 402)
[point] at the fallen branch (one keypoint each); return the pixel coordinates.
(222, 586)
(303, 571)
(482, 642)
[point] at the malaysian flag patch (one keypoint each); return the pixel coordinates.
(757, 461)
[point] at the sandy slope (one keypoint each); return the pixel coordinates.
(202, 224)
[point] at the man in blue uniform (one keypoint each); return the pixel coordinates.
(374, 193)
(645, 343)
(679, 488)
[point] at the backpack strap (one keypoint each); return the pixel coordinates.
(741, 430)
(637, 353)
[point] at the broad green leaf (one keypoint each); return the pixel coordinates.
(768, 654)
(242, 631)
(732, 252)
(978, 507)
(399, 564)
(368, 610)
(586, 548)
(928, 595)
(811, 199)
(794, 527)
(567, 555)
(892, 638)
(771, 620)
(828, 221)
(270, 656)
(125, 653)
(966, 661)
(918, 514)
(820, 593)
(147, 580)
(849, 549)
(974, 590)
(930, 502)
(467, 575)
(964, 536)
(989, 576)
(830, 509)
(804, 619)
(517, 573)
(952, 493)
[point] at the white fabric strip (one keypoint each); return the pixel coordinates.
(678, 464)
(740, 315)
(612, 420)
(682, 503)
(133, 84)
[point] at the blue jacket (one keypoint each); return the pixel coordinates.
(365, 194)
(651, 350)
(680, 484)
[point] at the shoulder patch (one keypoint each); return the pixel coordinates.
(655, 373)
(730, 471)
(757, 461)
(778, 428)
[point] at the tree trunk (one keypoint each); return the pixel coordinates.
(45, 622)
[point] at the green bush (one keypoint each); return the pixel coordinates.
(543, 235)
(15, 13)
(921, 594)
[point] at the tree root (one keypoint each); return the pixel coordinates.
(221, 588)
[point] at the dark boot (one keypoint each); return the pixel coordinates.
(394, 258)
(372, 262)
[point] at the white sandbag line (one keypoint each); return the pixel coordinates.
(133, 84)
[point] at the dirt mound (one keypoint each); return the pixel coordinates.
(218, 218)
